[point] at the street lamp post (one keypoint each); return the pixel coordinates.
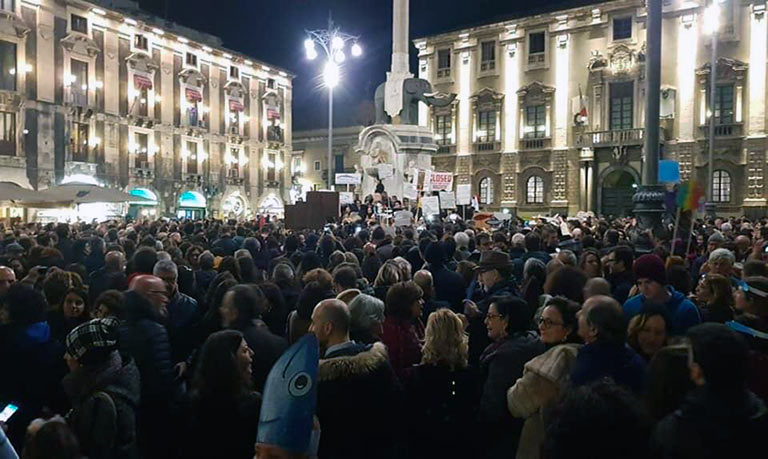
(332, 42)
(711, 26)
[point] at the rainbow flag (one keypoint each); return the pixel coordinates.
(690, 196)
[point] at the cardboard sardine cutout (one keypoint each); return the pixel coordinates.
(290, 397)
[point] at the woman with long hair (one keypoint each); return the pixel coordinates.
(648, 331)
(441, 394)
(591, 264)
(389, 275)
(74, 311)
(223, 408)
(715, 298)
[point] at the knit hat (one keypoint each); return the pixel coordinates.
(14, 247)
(92, 339)
(651, 267)
(716, 237)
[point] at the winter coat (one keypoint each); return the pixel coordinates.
(183, 324)
(143, 337)
(709, 425)
(449, 286)
(385, 249)
(757, 376)
(103, 280)
(31, 368)
(545, 379)
(478, 334)
(267, 348)
(221, 428)
(62, 325)
(439, 403)
(683, 312)
(358, 404)
(502, 364)
(104, 403)
(621, 284)
(403, 345)
(620, 363)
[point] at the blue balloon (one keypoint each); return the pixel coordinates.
(290, 397)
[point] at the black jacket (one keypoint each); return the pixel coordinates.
(449, 286)
(440, 403)
(103, 280)
(478, 335)
(709, 426)
(221, 428)
(502, 365)
(357, 404)
(143, 337)
(621, 284)
(184, 326)
(267, 348)
(104, 403)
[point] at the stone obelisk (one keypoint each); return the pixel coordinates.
(393, 92)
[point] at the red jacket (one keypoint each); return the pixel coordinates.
(402, 344)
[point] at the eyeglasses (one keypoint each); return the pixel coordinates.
(548, 323)
(491, 315)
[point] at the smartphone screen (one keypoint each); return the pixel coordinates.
(8, 412)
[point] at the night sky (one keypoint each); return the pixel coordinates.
(273, 31)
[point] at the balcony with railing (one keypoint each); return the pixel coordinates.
(611, 138)
(487, 147)
(143, 169)
(446, 148)
(535, 143)
(723, 130)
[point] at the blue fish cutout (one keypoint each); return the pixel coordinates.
(290, 397)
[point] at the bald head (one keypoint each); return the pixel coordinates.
(152, 288)
(330, 322)
(114, 261)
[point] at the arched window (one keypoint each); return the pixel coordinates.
(486, 191)
(721, 186)
(534, 190)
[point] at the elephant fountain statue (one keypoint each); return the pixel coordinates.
(414, 90)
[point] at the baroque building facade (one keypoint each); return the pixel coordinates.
(550, 108)
(106, 93)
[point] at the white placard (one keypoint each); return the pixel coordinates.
(409, 191)
(441, 181)
(386, 171)
(348, 179)
(501, 216)
(403, 218)
(346, 197)
(430, 205)
(464, 194)
(447, 200)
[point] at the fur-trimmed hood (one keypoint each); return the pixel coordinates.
(364, 362)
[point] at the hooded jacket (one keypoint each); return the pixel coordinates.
(357, 403)
(104, 402)
(708, 425)
(683, 312)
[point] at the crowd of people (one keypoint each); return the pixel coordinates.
(581, 338)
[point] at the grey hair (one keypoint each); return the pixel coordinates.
(242, 253)
(570, 256)
(462, 240)
(282, 271)
(165, 266)
(530, 264)
(518, 240)
(722, 256)
(365, 311)
(163, 256)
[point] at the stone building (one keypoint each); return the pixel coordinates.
(104, 92)
(309, 163)
(550, 108)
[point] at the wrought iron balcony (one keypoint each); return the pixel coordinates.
(446, 149)
(611, 138)
(487, 146)
(535, 143)
(723, 130)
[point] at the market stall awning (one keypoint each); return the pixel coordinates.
(78, 193)
(10, 191)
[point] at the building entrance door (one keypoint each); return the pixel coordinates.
(617, 190)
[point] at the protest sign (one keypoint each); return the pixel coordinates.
(463, 194)
(403, 218)
(386, 171)
(441, 181)
(346, 197)
(430, 205)
(348, 179)
(447, 200)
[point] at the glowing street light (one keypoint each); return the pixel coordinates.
(332, 42)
